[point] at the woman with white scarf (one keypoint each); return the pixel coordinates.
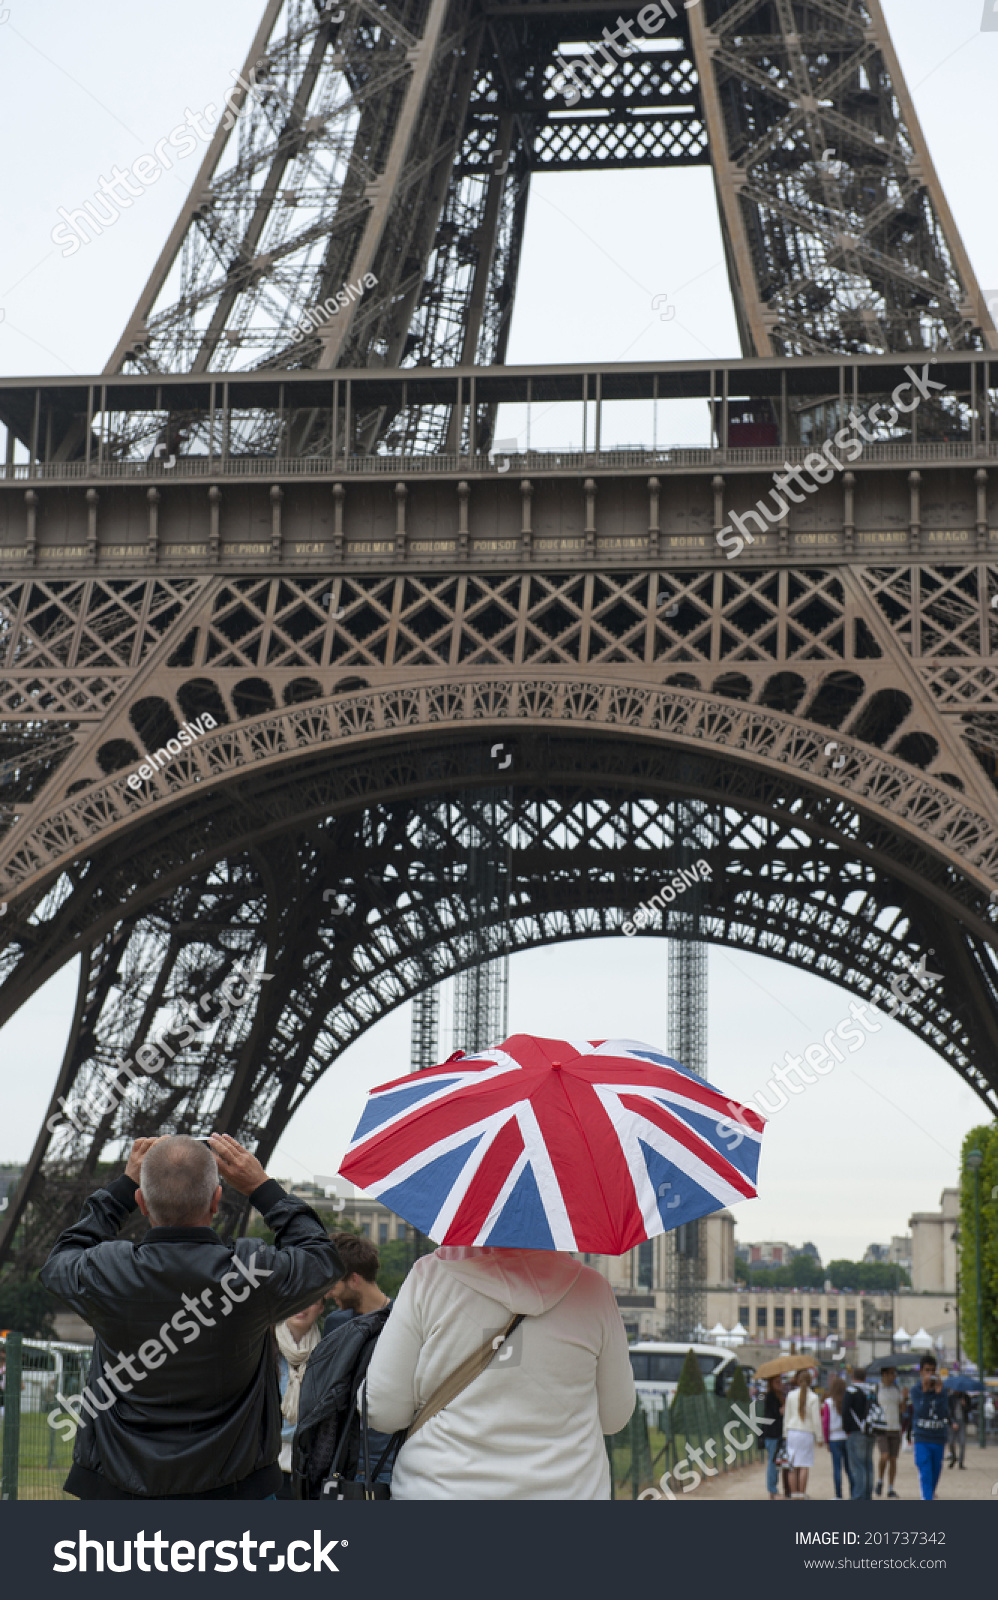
(296, 1339)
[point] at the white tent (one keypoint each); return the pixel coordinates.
(902, 1338)
(922, 1340)
(738, 1332)
(718, 1331)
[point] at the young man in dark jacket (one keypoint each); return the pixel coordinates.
(859, 1443)
(930, 1426)
(182, 1400)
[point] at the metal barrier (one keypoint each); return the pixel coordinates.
(36, 1456)
(687, 1435)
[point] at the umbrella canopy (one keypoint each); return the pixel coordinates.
(962, 1382)
(554, 1144)
(772, 1369)
(902, 1362)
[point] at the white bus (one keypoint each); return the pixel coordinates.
(657, 1366)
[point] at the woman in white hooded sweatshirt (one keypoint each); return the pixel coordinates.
(531, 1426)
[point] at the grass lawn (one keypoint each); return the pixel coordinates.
(44, 1459)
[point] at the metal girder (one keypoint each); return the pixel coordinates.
(396, 838)
(836, 229)
(892, 664)
(391, 148)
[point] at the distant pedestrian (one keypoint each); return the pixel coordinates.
(859, 1441)
(959, 1414)
(930, 1425)
(888, 1437)
(296, 1338)
(802, 1430)
(835, 1433)
(771, 1436)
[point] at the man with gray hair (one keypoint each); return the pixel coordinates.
(182, 1400)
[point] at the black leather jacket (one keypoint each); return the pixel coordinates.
(183, 1320)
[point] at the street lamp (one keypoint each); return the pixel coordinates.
(974, 1161)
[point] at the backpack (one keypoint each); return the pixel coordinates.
(875, 1420)
(857, 1401)
(328, 1405)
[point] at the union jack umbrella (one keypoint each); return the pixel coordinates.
(554, 1144)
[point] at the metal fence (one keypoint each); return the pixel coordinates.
(35, 1455)
(689, 1430)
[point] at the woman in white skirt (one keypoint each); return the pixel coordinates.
(802, 1428)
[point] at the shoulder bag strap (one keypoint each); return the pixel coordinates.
(462, 1376)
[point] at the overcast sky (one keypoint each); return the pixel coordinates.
(82, 87)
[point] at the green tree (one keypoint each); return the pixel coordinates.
(806, 1273)
(397, 1258)
(738, 1390)
(691, 1378)
(985, 1139)
(27, 1307)
(872, 1276)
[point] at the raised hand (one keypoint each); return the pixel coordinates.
(236, 1164)
(135, 1155)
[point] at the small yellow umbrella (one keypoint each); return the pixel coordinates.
(770, 1369)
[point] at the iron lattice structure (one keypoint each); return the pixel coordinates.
(355, 754)
(684, 1249)
(834, 727)
(399, 141)
(481, 987)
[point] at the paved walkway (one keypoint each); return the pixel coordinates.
(975, 1482)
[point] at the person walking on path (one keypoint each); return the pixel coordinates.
(529, 1426)
(959, 1412)
(773, 1403)
(295, 1338)
(930, 1426)
(802, 1429)
(182, 1402)
(859, 1443)
(835, 1434)
(889, 1436)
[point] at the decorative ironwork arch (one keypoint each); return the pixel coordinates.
(340, 865)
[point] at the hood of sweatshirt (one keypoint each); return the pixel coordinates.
(527, 1281)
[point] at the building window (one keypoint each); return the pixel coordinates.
(833, 1321)
(798, 1317)
(645, 1264)
(744, 1316)
(365, 1229)
(779, 1317)
(850, 1322)
(382, 1233)
(815, 1320)
(760, 1317)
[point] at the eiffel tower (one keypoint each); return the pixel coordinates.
(277, 526)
